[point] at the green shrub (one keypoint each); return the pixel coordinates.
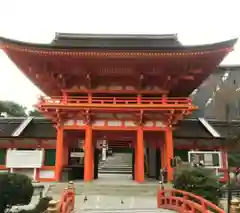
(15, 189)
(199, 181)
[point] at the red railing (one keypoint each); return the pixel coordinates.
(112, 100)
(67, 201)
(185, 202)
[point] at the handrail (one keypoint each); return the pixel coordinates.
(67, 200)
(182, 201)
(113, 100)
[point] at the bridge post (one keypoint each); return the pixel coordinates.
(235, 206)
(53, 207)
(169, 153)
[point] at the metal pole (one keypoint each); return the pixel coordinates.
(41, 194)
(229, 197)
(229, 193)
(227, 112)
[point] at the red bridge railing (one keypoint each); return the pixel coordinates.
(185, 202)
(66, 203)
(112, 100)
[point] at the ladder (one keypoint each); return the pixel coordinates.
(22, 126)
(209, 127)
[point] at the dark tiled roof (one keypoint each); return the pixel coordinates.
(9, 125)
(191, 128)
(39, 128)
(43, 128)
(224, 128)
(119, 42)
(115, 40)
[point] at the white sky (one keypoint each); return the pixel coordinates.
(196, 22)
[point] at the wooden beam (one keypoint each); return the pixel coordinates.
(123, 91)
(188, 77)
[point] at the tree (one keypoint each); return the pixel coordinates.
(199, 181)
(12, 109)
(16, 189)
(35, 113)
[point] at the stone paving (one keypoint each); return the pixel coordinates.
(115, 202)
(109, 204)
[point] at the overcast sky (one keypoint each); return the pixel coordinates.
(196, 22)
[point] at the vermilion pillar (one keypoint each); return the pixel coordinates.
(59, 153)
(169, 153)
(88, 154)
(139, 156)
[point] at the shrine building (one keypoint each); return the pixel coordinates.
(131, 90)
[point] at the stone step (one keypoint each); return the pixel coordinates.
(92, 186)
(114, 172)
(116, 168)
(108, 189)
(118, 162)
(110, 192)
(116, 165)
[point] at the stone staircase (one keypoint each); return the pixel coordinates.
(118, 163)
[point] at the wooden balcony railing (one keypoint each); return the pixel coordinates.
(181, 201)
(113, 100)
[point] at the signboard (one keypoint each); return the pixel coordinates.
(208, 159)
(77, 154)
(24, 158)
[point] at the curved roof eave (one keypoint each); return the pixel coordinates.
(53, 47)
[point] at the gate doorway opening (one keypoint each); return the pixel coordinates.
(114, 154)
